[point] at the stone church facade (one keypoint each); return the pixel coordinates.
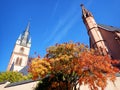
(19, 58)
(104, 38)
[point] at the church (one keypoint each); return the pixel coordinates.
(20, 54)
(102, 37)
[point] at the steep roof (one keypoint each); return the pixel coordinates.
(3, 82)
(24, 71)
(108, 28)
(19, 83)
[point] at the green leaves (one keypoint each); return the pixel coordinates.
(13, 76)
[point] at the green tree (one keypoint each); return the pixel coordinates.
(13, 76)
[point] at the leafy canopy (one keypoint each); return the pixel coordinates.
(13, 76)
(70, 64)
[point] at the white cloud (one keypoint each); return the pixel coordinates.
(64, 30)
(64, 24)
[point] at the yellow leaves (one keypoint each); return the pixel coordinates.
(52, 60)
(39, 67)
(65, 57)
(91, 68)
(57, 59)
(69, 46)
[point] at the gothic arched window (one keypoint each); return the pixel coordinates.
(17, 61)
(20, 61)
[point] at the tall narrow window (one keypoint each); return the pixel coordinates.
(17, 61)
(117, 37)
(20, 61)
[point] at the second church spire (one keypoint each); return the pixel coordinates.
(85, 12)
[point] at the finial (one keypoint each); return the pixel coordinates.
(85, 12)
(81, 5)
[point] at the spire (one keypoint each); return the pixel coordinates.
(85, 12)
(25, 36)
(28, 26)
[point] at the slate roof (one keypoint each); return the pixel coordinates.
(24, 71)
(29, 81)
(19, 83)
(3, 82)
(108, 28)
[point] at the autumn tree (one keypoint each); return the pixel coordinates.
(70, 64)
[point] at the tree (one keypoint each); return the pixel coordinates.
(69, 64)
(13, 76)
(95, 70)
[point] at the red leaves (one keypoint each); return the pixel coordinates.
(73, 61)
(94, 69)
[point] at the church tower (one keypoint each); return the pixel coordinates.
(96, 40)
(19, 57)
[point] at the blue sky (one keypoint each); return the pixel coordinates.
(51, 21)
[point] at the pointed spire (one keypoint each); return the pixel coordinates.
(85, 12)
(28, 27)
(25, 36)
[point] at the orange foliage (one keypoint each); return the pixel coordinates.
(76, 63)
(39, 67)
(96, 69)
